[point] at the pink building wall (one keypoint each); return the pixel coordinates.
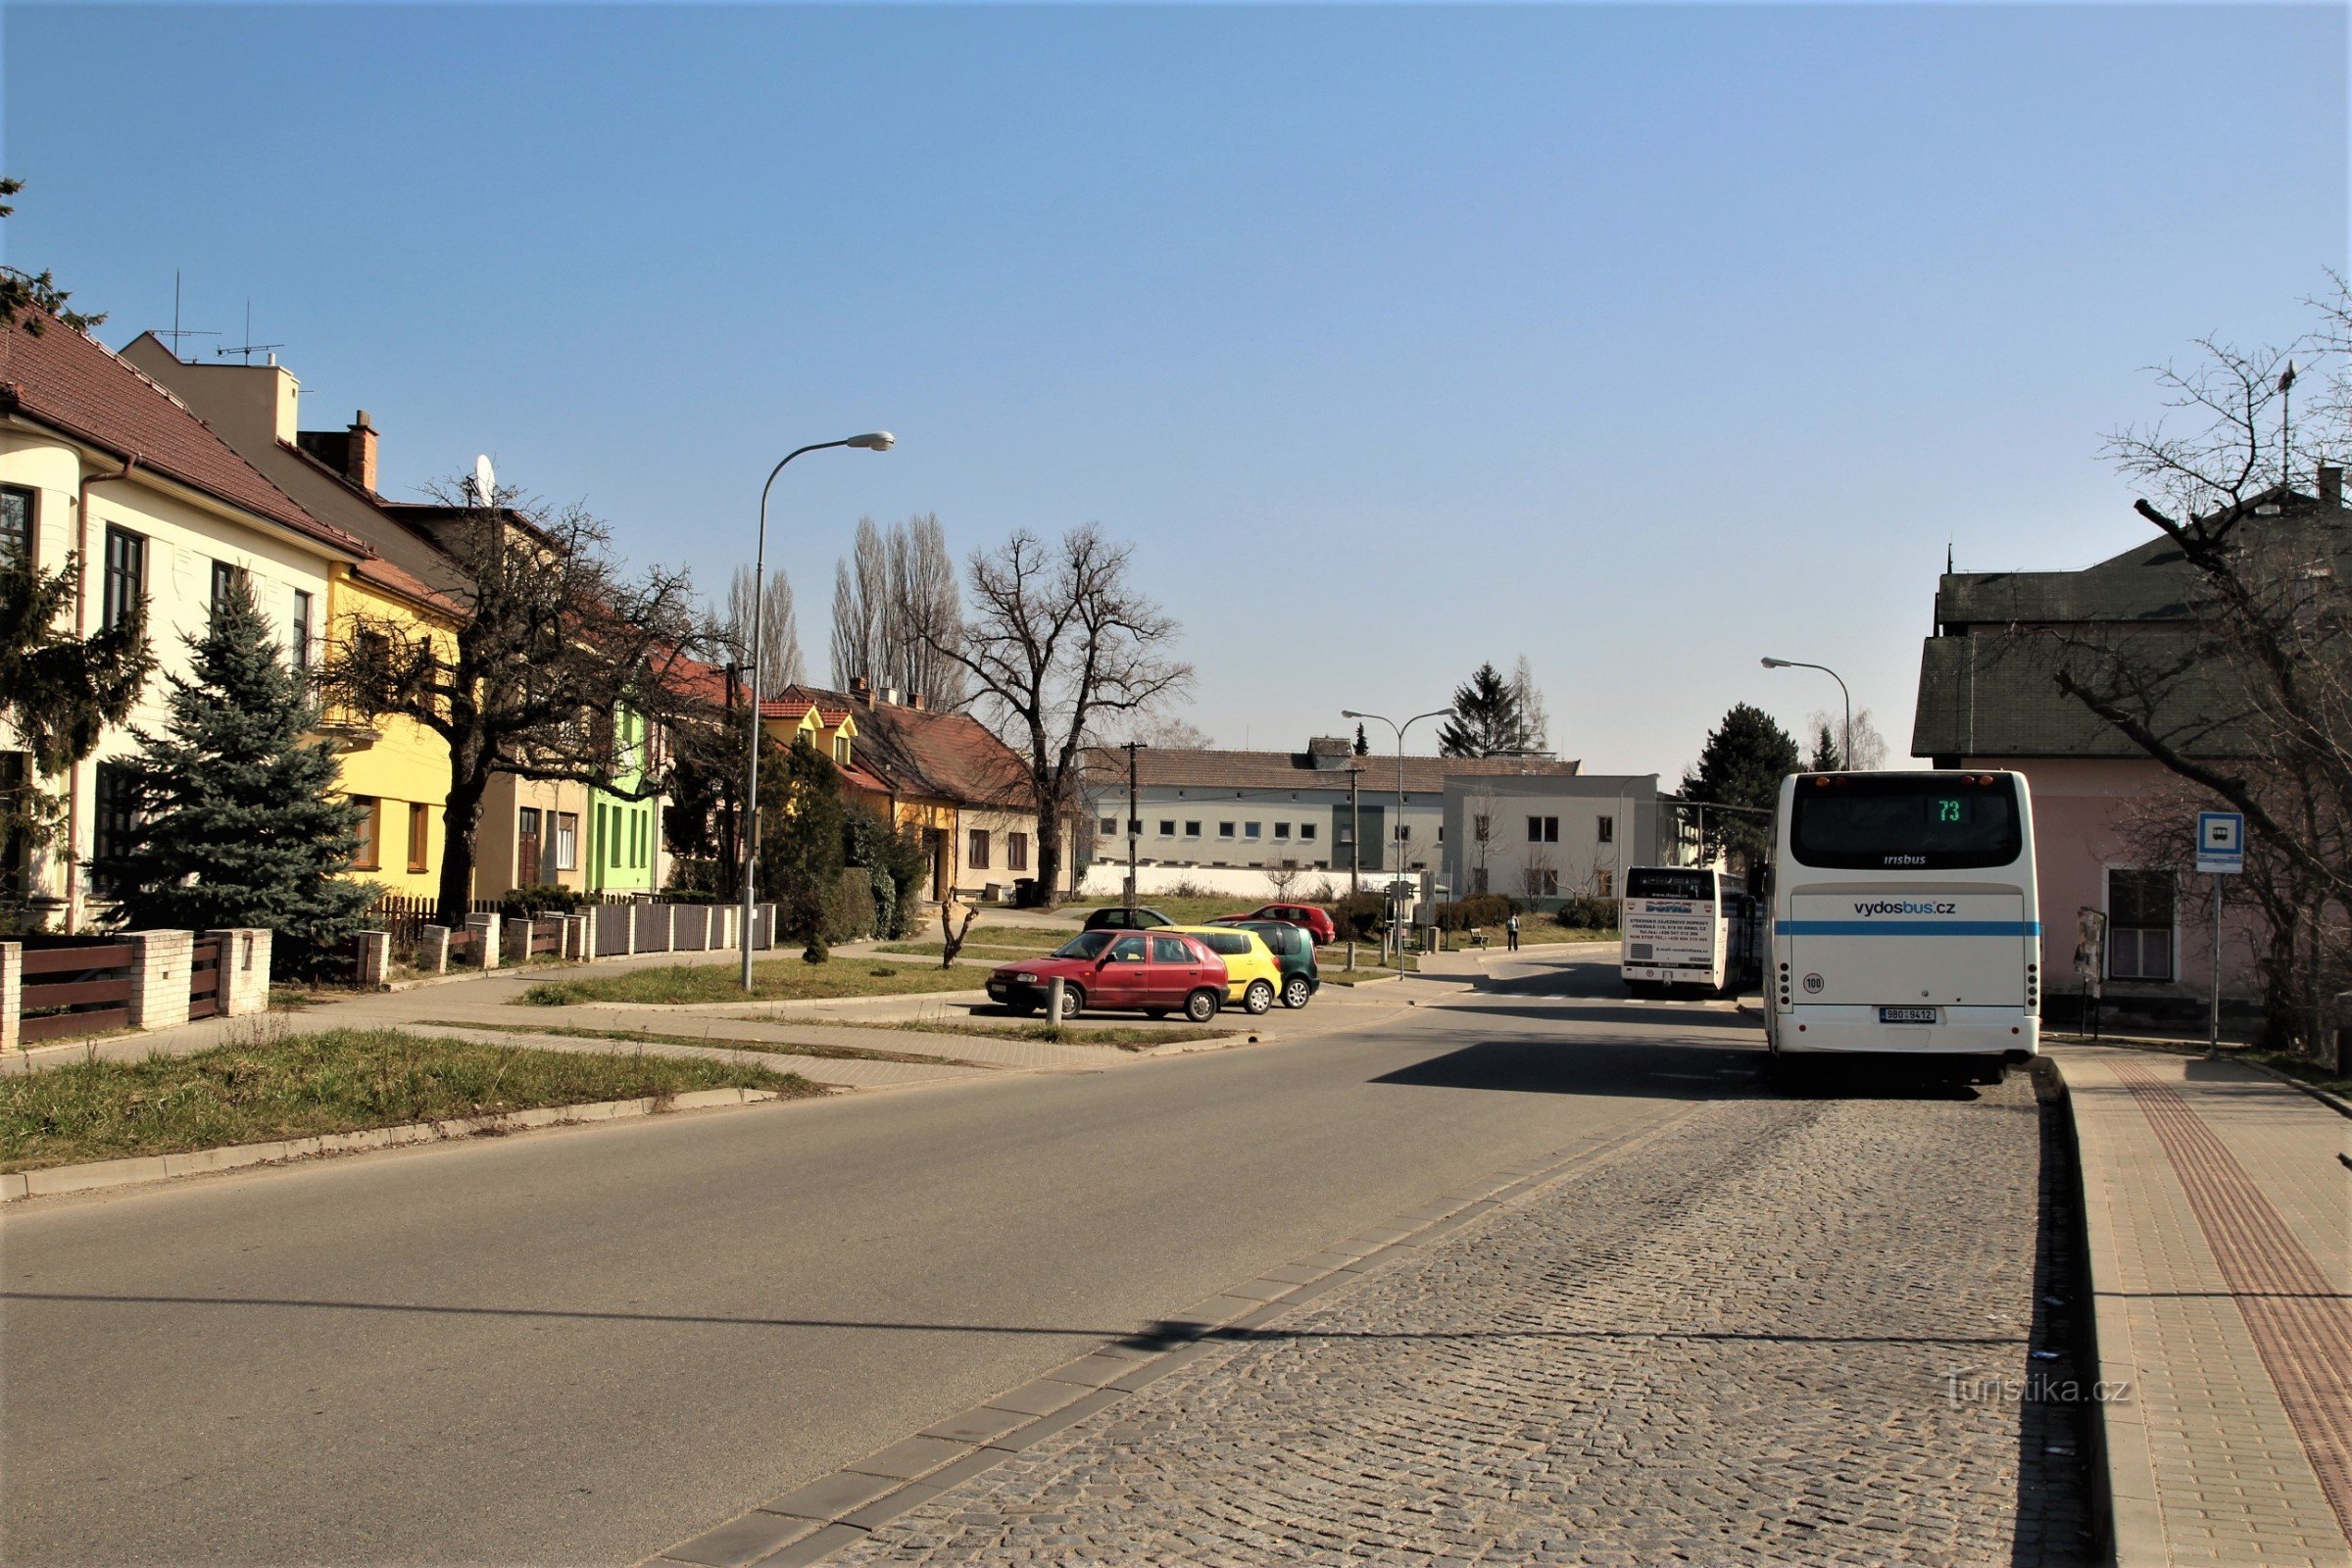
(2075, 802)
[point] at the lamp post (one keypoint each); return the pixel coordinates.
(1396, 835)
(1845, 747)
(873, 441)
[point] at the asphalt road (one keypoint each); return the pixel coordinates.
(577, 1347)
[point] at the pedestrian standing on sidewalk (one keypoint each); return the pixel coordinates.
(1512, 929)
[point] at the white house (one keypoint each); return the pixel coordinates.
(1544, 840)
(100, 464)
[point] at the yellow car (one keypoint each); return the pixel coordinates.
(1253, 974)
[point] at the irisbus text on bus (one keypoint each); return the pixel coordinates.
(1906, 919)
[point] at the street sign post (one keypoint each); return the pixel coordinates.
(2220, 852)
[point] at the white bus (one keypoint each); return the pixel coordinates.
(1905, 920)
(1683, 926)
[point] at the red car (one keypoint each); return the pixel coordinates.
(1313, 921)
(1154, 972)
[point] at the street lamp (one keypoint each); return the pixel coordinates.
(1845, 752)
(1398, 834)
(872, 441)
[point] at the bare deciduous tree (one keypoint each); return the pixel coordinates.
(1870, 746)
(861, 608)
(780, 660)
(925, 609)
(552, 644)
(1534, 725)
(1282, 876)
(1058, 638)
(1168, 733)
(2247, 693)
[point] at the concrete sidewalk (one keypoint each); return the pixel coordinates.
(2219, 1215)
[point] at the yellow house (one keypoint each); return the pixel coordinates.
(943, 773)
(531, 831)
(395, 766)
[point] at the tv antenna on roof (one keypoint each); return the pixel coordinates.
(178, 331)
(248, 349)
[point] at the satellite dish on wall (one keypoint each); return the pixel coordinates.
(485, 481)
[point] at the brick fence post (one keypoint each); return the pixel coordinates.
(375, 960)
(432, 950)
(516, 946)
(159, 977)
(487, 925)
(244, 969)
(12, 995)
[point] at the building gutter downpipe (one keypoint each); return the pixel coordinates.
(81, 629)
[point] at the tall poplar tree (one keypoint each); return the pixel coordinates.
(235, 816)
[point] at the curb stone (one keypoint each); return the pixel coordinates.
(100, 1174)
(809, 1523)
(2124, 1481)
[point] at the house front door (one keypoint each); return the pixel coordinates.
(526, 846)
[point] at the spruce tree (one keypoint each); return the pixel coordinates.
(236, 819)
(1488, 719)
(1742, 765)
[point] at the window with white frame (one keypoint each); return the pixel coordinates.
(1542, 830)
(1607, 826)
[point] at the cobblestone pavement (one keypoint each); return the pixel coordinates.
(1784, 1332)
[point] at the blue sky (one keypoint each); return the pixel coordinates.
(1642, 340)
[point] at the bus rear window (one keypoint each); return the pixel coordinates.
(1891, 823)
(1655, 882)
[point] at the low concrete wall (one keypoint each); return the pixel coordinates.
(1246, 884)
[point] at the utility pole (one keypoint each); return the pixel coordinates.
(1134, 822)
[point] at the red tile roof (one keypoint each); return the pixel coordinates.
(914, 751)
(77, 386)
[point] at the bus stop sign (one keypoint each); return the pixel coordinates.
(2220, 842)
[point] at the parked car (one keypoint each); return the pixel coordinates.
(1317, 922)
(1253, 974)
(1160, 973)
(1125, 919)
(1295, 951)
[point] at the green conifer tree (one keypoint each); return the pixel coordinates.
(1742, 765)
(801, 829)
(236, 821)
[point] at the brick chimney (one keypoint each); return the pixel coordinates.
(350, 453)
(858, 686)
(914, 699)
(2332, 484)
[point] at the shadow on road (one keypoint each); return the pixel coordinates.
(1647, 1069)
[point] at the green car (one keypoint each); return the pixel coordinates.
(1295, 952)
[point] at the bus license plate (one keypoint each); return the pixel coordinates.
(1906, 1015)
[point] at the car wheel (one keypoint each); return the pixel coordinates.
(1295, 990)
(1200, 1006)
(1257, 999)
(1072, 1000)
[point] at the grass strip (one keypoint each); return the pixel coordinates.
(339, 1081)
(645, 1037)
(1125, 1037)
(969, 953)
(775, 980)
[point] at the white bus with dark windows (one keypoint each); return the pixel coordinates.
(1906, 923)
(1685, 928)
